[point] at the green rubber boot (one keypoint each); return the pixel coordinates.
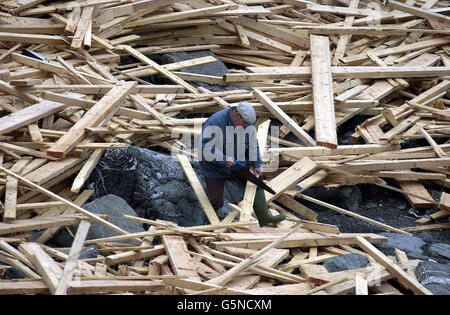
(262, 210)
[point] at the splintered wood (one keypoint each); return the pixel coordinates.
(311, 66)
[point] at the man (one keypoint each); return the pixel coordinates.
(229, 136)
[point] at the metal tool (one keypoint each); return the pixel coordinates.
(35, 55)
(241, 171)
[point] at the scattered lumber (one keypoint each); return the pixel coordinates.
(312, 66)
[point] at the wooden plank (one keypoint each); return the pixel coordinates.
(39, 223)
(54, 68)
(148, 70)
(27, 269)
(429, 227)
(130, 8)
(44, 264)
(421, 12)
(103, 109)
(433, 143)
(129, 256)
(73, 19)
(79, 201)
(198, 189)
(181, 15)
(250, 188)
(342, 10)
(180, 260)
(242, 35)
(401, 275)
(344, 39)
(5, 246)
(12, 90)
(270, 259)
(10, 207)
(381, 63)
(291, 177)
(32, 38)
(87, 169)
(361, 285)
(158, 68)
(398, 50)
(231, 273)
(445, 201)
(349, 213)
(342, 72)
(324, 114)
(395, 165)
(297, 207)
(258, 38)
(55, 196)
(274, 32)
(282, 116)
(298, 240)
(198, 286)
(357, 149)
(157, 115)
(72, 261)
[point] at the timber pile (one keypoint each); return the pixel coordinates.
(65, 98)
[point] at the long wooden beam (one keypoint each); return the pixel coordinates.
(158, 68)
(421, 12)
(324, 114)
(198, 189)
(282, 116)
(352, 214)
(29, 115)
(57, 197)
(103, 109)
(401, 275)
(357, 72)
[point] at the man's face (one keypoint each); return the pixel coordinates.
(238, 120)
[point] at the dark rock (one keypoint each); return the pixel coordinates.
(347, 197)
(440, 249)
(155, 186)
(14, 273)
(89, 252)
(411, 245)
(427, 237)
(434, 276)
(346, 262)
(114, 207)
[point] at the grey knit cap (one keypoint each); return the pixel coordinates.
(247, 112)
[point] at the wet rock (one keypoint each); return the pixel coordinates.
(114, 207)
(411, 245)
(89, 252)
(434, 276)
(347, 197)
(427, 237)
(155, 186)
(13, 273)
(440, 250)
(346, 262)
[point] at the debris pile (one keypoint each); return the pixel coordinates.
(66, 97)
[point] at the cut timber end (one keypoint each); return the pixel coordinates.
(445, 201)
(327, 144)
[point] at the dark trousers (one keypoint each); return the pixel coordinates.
(214, 191)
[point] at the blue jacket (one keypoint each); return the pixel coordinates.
(213, 148)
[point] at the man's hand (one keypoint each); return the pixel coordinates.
(230, 162)
(258, 171)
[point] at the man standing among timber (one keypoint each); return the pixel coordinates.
(229, 137)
